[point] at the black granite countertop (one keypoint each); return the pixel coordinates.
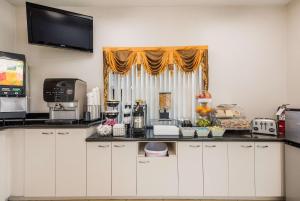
(228, 136)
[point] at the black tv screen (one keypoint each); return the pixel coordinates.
(59, 28)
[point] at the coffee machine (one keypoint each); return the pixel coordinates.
(66, 98)
(13, 86)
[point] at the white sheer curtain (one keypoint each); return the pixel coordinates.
(183, 86)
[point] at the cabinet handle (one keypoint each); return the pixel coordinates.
(66, 133)
(246, 146)
(262, 146)
(119, 146)
(103, 146)
(144, 162)
(195, 146)
(210, 146)
(46, 133)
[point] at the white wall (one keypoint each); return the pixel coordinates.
(293, 68)
(247, 49)
(7, 43)
(7, 26)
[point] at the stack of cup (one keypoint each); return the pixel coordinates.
(93, 103)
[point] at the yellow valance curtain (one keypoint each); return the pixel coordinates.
(155, 60)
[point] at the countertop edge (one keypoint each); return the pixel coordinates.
(92, 138)
(292, 143)
(49, 126)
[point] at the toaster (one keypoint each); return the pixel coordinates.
(264, 126)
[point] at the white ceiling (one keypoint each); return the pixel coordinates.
(124, 3)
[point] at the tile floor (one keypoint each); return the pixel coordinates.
(160, 200)
(155, 200)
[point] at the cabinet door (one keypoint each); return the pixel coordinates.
(157, 176)
(190, 169)
(98, 169)
(269, 169)
(4, 165)
(292, 173)
(124, 168)
(17, 147)
(215, 169)
(241, 169)
(39, 163)
(70, 162)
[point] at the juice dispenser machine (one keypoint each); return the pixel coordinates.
(13, 93)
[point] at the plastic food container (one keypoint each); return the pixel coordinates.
(229, 111)
(187, 131)
(156, 149)
(119, 130)
(104, 130)
(202, 131)
(217, 132)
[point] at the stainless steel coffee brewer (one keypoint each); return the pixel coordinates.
(139, 119)
(65, 97)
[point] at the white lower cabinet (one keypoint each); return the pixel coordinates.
(99, 169)
(58, 162)
(70, 163)
(124, 168)
(190, 170)
(39, 163)
(5, 167)
(292, 173)
(241, 169)
(269, 162)
(157, 176)
(17, 164)
(215, 169)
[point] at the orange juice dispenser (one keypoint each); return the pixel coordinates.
(13, 94)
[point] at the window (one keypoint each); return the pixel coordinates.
(140, 85)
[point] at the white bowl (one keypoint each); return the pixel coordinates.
(202, 131)
(187, 131)
(217, 133)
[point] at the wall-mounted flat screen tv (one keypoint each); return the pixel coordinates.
(59, 28)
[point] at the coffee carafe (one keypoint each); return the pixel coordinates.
(138, 117)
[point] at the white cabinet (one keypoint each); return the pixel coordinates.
(292, 173)
(99, 169)
(215, 169)
(241, 169)
(17, 164)
(39, 163)
(269, 169)
(70, 162)
(124, 168)
(157, 176)
(4, 166)
(190, 170)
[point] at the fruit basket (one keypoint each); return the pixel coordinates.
(203, 107)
